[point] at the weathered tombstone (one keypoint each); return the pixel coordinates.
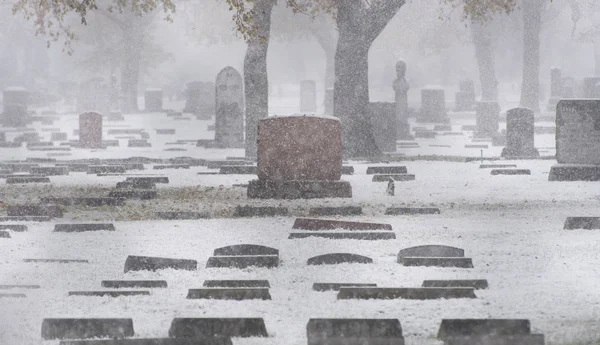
(487, 118)
(243, 261)
(299, 157)
(434, 255)
(401, 87)
(86, 328)
(465, 98)
(520, 134)
(147, 263)
(384, 121)
(462, 327)
(233, 294)
(15, 100)
(200, 99)
(354, 332)
(229, 103)
(308, 96)
(587, 223)
(433, 106)
(218, 327)
(510, 172)
(337, 286)
(90, 130)
(153, 100)
(431, 251)
(328, 103)
(556, 86)
(236, 283)
(245, 249)
(577, 141)
(339, 258)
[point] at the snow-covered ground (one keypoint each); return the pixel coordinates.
(511, 226)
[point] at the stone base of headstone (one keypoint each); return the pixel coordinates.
(299, 189)
(574, 172)
(511, 153)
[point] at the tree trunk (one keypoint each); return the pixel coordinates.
(532, 21)
(130, 70)
(484, 53)
(256, 81)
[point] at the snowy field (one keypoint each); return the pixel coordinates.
(511, 226)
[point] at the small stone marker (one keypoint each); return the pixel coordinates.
(354, 331)
(386, 170)
(148, 263)
(337, 286)
(171, 166)
(4, 234)
(586, 223)
(12, 295)
(134, 194)
(347, 170)
(229, 106)
(433, 107)
(236, 284)
(366, 236)
(14, 227)
(52, 211)
(182, 215)
(442, 128)
(425, 135)
(339, 258)
(497, 166)
(391, 188)
(218, 327)
(472, 283)
(128, 284)
(267, 189)
(336, 211)
(308, 96)
(387, 178)
(27, 179)
(235, 294)
(49, 171)
(164, 131)
(106, 169)
(325, 224)
(25, 219)
(462, 327)
(15, 100)
(487, 118)
(86, 328)
(153, 100)
(493, 339)
(58, 136)
(470, 146)
(260, 211)
(434, 255)
(137, 185)
(245, 249)
(520, 134)
(396, 211)
(404, 293)
(83, 227)
(510, 172)
(243, 261)
(109, 293)
(90, 130)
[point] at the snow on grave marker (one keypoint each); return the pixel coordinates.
(236, 284)
(83, 227)
(86, 328)
(473, 283)
(469, 327)
(434, 255)
(337, 286)
(520, 134)
(327, 224)
(148, 263)
(218, 327)
(245, 249)
(362, 235)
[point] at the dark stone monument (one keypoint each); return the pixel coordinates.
(86, 328)
(218, 327)
(153, 100)
(234, 294)
(471, 283)
(15, 100)
(245, 249)
(243, 261)
(354, 332)
(229, 100)
(433, 106)
(405, 293)
(326, 224)
(520, 134)
(308, 96)
(335, 211)
(462, 327)
(401, 87)
(339, 258)
(465, 98)
(147, 263)
(260, 211)
(487, 118)
(587, 223)
(384, 121)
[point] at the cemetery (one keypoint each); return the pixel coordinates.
(216, 204)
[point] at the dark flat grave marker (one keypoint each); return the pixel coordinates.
(60, 148)
(92, 202)
(106, 169)
(243, 261)
(16, 286)
(49, 171)
(366, 236)
(237, 284)
(182, 215)
(492, 339)
(404, 293)
(476, 146)
(462, 327)
(339, 258)
(436, 262)
(425, 134)
(149, 263)
(245, 249)
(4, 234)
(337, 286)
(298, 189)
(574, 173)
(25, 219)
(220, 327)
(149, 179)
(260, 211)
(86, 328)
(133, 194)
(83, 227)
(472, 283)
(447, 146)
(74, 167)
(52, 211)
(171, 166)
(121, 284)
(238, 170)
(154, 341)
(587, 223)
(58, 136)
(336, 211)
(220, 164)
(354, 332)
(39, 144)
(400, 177)
(510, 172)
(175, 149)
(40, 160)
(163, 131)
(326, 224)
(395, 211)
(137, 185)
(386, 170)
(432, 251)
(497, 166)
(58, 261)
(12, 295)
(109, 293)
(27, 179)
(235, 294)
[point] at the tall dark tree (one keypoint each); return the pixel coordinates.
(532, 23)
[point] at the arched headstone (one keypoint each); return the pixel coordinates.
(229, 103)
(434, 251)
(245, 249)
(339, 258)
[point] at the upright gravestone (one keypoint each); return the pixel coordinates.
(153, 100)
(15, 100)
(520, 134)
(308, 96)
(577, 141)
(556, 86)
(589, 87)
(487, 118)
(299, 157)
(328, 101)
(90, 130)
(229, 100)
(465, 98)
(401, 87)
(433, 106)
(384, 121)
(192, 93)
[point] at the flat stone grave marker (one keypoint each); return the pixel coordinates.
(58, 154)
(49, 149)
(18, 167)
(40, 144)
(260, 211)
(395, 211)
(171, 166)
(171, 215)
(386, 178)
(165, 131)
(235, 294)
(462, 327)
(52, 211)
(239, 170)
(493, 339)
(339, 258)
(175, 149)
(586, 223)
(365, 236)
(109, 293)
(497, 166)
(386, 170)
(153, 341)
(326, 224)
(243, 261)
(27, 179)
(347, 170)
(119, 131)
(106, 169)
(468, 128)
(93, 202)
(149, 263)
(58, 261)
(49, 171)
(10, 145)
(442, 128)
(405, 293)
(510, 172)
(58, 136)
(137, 185)
(127, 284)
(245, 249)
(4, 234)
(12, 295)
(218, 327)
(335, 211)
(337, 286)
(14, 227)
(86, 328)
(434, 255)
(472, 283)
(425, 135)
(236, 284)
(133, 194)
(437, 262)
(25, 219)
(74, 167)
(138, 143)
(8, 287)
(83, 227)
(220, 164)
(154, 179)
(354, 331)
(469, 146)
